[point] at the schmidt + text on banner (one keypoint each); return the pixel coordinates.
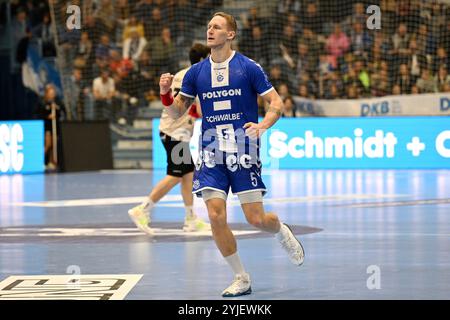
(389, 142)
(346, 143)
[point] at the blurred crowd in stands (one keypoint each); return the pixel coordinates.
(308, 48)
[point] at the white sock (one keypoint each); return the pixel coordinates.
(189, 212)
(235, 263)
(280, 235)
(148, 204)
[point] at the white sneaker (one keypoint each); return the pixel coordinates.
(141, 218)
(195, 224)
(292, 246)
(240, 286)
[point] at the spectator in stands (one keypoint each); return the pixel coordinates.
(133, 46)
(288, 42)
(408, 12)
(84, 48)
(289, 110)
(352, 92)
(389, 15)
(360, 40)
(396, 89)
(426, 43)
(119, 65)
(404, 79)
(305, 61)
(122, 12)
(332, 78)
(154, 25)
(286, 7)
(304, 92)
(283, 90)
(52, 111)
(363, 75)
(255, 46)
(380, 83)
(426, 83)
(292, 20)
(143, 11)
(44, 32)
(148, 80)
(104, 14)
(182, 24)
(305, 78)
(19, 28)
(400, 41)
(276, 76)
(358, 16)
(440, 59)
(347, 61)
(332, 92)
(253, 19)
(104, 91)
(351, 79)
(34, 12)
(310, 39)
(442, 78)
(446, 88)
(76, 92)
(162, 51)
(415, 90)
(436, 17)
(325, 64)
(444, 35)
(337, 44)
(133, 25)
(311, 18)
(102, 52)
(91, 27)
(415, 60)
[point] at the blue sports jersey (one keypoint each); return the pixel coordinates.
(228, 96)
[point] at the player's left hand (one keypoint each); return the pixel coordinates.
(254, 130)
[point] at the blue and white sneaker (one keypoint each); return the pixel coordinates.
(240, 286)
(292, 246)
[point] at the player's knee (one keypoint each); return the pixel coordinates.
(255, 221)
(217, 215)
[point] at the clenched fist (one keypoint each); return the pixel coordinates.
(165, 82)
(254, 130)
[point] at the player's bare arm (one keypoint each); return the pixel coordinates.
(254, 130)
(177, 106)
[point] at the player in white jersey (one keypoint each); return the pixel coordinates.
(176, 130)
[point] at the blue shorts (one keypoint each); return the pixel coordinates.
(237, 172)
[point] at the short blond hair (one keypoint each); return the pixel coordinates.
(231, 21)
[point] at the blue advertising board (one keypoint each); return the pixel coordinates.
(346, 143)
(21, 146)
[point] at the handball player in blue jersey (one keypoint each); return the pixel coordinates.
(227, 85)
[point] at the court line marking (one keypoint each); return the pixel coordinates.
(419, 202)
(172, 198)
(380, 234)
(102, 232)
(74, 287)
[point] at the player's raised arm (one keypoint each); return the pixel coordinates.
(274, 112)
(177, 106)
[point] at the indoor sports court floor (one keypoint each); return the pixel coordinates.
(367, 234)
